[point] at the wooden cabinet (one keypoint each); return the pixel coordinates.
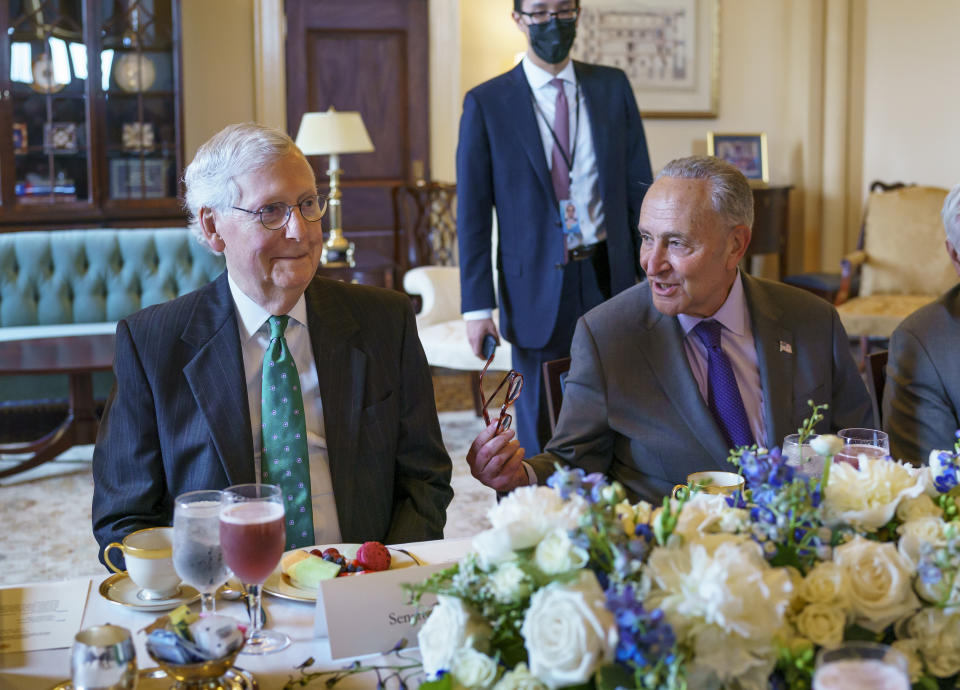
(90, 113)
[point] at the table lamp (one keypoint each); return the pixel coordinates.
(331, 133)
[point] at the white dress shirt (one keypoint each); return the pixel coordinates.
(736, 340)
(254, 332)
(584, 178)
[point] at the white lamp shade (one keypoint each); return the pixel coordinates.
(333, 131)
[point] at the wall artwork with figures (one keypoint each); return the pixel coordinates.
(668, 49)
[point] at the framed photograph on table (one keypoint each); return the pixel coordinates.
(20, 144)
(748, 152)
(669, 50)
(60, 137)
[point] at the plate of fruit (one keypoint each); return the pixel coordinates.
(301, 570)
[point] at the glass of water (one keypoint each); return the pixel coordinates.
(197, 555)
(807, 462)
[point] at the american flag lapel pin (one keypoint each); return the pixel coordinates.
(785, 347)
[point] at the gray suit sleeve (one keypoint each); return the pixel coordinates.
(917, 411)
(583, 437)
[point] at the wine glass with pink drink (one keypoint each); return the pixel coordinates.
(861, 666)
(252, 538)
(857, 442)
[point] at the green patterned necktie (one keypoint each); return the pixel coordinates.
(284, 460)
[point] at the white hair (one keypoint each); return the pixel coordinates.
(233, 151)
(730, 193)
(951, 217)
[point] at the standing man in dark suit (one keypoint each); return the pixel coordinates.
(699, 358)
(558, 149)
(921, 401)
(191, 408)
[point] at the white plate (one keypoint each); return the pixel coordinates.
(279, 585)
(120, 590)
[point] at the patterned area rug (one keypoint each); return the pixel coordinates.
(46, 512)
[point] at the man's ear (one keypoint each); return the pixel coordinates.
(208, 223)
(954, 256)
(739, 240)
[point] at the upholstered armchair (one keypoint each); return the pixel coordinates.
(902, 263)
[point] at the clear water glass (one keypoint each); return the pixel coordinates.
(197, 556)
(856, 442)
(805, 460)
(861, 666)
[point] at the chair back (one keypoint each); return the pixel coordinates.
(903, 238)
(425, 214)
(554, 379)
(876, 379)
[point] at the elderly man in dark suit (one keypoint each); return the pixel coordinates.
(921, 401)
(558, 149)
(670, 374)
(271, 374)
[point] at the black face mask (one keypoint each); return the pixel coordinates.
(552, 40)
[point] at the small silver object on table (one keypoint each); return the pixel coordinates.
(103, 658)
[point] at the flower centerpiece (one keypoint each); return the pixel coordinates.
(575, 586)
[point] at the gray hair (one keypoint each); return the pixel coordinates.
(234, 151)
(951, 217)
(730, 193)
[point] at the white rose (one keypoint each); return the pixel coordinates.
(914, 534)
(867, 498)
(519, 678)
(824, 584)
(822, 624)
(909, 649)
(509, 583)
(709, 514)
(937, 636)
(878, 582)
(450, 626)
(472, 669)
(556, 554)
(826, 444)
(492, 547)
(532, 511)
(568, 631)
(916, 508)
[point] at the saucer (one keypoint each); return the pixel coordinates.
(157, 679)
(120, 589)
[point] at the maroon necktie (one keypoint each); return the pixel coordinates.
(559, 170)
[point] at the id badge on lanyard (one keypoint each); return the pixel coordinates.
(570, 215)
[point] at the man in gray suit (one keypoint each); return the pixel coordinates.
(921, 401)
(185, 413)
(671, 373)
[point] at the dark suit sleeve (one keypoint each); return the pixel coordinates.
(475, 200)
(850, 405)
(917, 410)
(128, 477)
(583, 437)
(423, 468)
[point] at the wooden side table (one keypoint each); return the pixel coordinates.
(370, 269)
(771, 214)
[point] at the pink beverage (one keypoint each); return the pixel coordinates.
(859, 674)
(252, 538)
(850, 453)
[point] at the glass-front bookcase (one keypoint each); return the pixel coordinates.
(90, 112)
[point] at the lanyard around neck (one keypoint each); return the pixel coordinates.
(556, 142)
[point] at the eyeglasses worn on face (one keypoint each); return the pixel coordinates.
(513, 381)
(276, 215)
(543, 16)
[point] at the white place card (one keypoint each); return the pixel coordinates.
(41, 616)
(366, 614)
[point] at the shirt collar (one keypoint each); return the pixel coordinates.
(538, 77)
(251, 316)
(732, 314)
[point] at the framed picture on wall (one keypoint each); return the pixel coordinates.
(746, 151)
(669, 50)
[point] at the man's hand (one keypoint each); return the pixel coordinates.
(497, 460)
(476, 329)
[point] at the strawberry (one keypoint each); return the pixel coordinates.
(373, 556)
(331, 554)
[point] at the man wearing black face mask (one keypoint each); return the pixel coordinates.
(557, 148)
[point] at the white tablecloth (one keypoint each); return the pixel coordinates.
(43, 669)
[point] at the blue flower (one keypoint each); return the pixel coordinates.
(645, 636)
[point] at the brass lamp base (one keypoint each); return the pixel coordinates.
(337, 251)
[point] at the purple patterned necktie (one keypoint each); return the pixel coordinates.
(723, 394)
(559, 170)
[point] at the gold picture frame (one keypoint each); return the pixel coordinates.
(748, 152)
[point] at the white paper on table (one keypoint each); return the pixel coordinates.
(43, 616)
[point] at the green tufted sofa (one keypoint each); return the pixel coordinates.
(72, 282)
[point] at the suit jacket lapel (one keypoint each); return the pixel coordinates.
(341, 370)
(774, 342)
(520, 115)
(593, 95)
(663, 348)
(218, 381)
